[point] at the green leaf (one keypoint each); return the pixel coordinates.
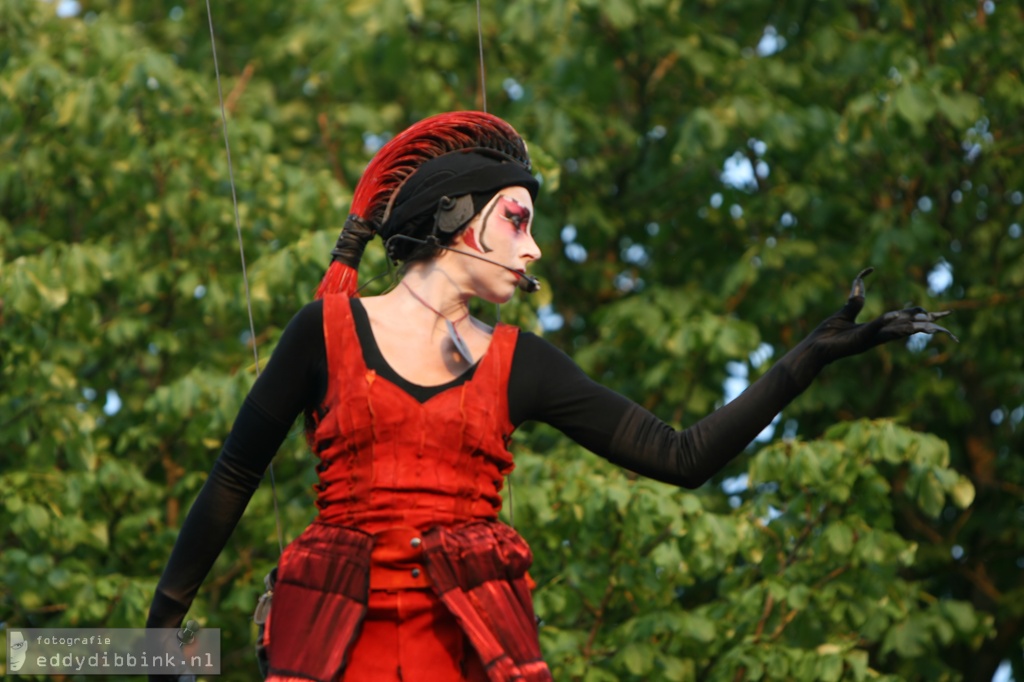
(962, 492)
(960, 614)
(908, 639)
(637, 658)
(595, 674)
(857, 662)
(798, 596)
(702, 130)
(931, 496)
(829, 668)
(619, 12)
(697, 627)
(676, 669)
(839, 537)
(961, 109)
(36, 518)
(915, 104)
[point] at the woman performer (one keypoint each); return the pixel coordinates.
(410, 404)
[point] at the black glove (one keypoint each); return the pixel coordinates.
(840, 336)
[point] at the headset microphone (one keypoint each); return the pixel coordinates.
(526, 283)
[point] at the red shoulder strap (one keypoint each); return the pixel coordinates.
(340, 341)
(499, 368)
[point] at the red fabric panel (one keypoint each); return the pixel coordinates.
(319, 602)
(479, 572)
(397, 560)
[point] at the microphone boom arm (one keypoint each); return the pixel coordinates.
(526, 282)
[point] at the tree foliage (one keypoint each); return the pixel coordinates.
(714, 174)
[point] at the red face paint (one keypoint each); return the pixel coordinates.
(507, 210)
(470, 241)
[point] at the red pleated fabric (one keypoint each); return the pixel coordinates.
(479, 572)
(387, 460)
(320, 600)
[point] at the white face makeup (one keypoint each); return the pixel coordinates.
(503, 233)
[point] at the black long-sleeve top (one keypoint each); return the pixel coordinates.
(545, 385)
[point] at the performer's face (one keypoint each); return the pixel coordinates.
(503, 233)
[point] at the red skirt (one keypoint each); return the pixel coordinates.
(451, 606)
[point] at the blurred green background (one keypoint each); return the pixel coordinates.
(714, 175)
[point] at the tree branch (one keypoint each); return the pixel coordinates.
(588, 647)
(231, 101)
(769, 603)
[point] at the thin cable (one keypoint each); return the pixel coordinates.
(480, 44)
(431, 308)
(511, 502)
(497, 307)
(241, 251)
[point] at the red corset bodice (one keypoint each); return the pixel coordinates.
(388, 460)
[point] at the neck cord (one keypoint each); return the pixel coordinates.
(453, 333)
(241, 251)
(432, 308)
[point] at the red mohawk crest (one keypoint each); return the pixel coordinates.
(428, 139)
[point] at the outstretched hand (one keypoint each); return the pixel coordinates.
(840, 335)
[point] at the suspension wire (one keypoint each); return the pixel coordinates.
(480, 45)
(497, 306)
(241, 252)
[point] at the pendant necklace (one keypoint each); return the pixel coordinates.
(453, 333)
